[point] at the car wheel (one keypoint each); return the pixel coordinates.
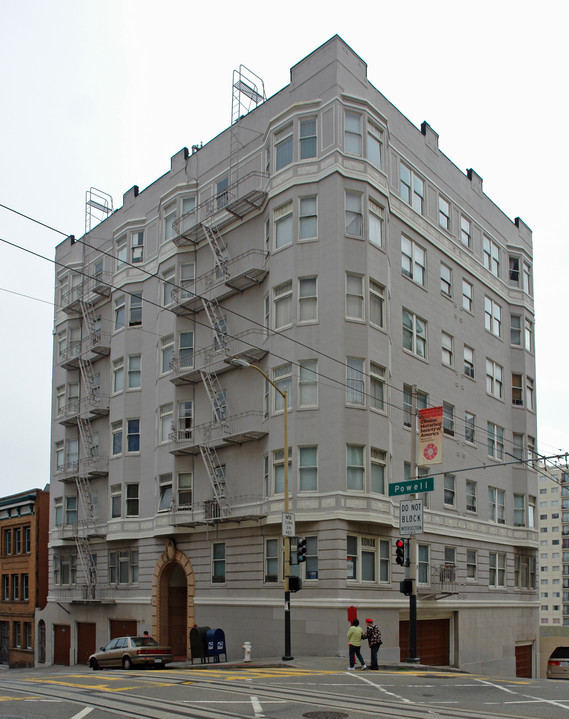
(127, 663)
(94, 665)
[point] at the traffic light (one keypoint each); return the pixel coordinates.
(400, 552)
(294, 584)
(406, 587)
(301, 550)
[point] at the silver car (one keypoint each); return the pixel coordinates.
(129, 652)
(558, 664)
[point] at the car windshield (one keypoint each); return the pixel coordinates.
(144, 642)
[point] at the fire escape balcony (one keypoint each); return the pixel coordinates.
(68, 471)
(70, 300)
(93, 529)
(96, 345)
(187, 366)
(96, 405)
(67, 415)
(246, 195)
(247, 270)
(443, 582)
(69, 357)
(232, 509)
(232, 430)
(101, 283)
(94, 466)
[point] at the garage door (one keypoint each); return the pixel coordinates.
(61, 644)
(123, 628)
(523, 661)
(433, 637)
(86, 641)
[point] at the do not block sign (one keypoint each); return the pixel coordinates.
(411, 516)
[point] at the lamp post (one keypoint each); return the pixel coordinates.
(243, 363)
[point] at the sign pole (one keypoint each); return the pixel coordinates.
(413, 541)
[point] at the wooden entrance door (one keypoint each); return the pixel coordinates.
(61, 644)
(523, 660)
(86, 641)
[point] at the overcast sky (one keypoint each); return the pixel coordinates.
(102, 93)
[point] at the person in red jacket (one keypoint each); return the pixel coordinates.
(373, 636)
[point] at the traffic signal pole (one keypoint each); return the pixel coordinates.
(412, 569)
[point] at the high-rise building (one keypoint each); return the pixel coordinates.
(329, 242)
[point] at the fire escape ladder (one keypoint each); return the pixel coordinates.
(88, 314)
(87, 565)
(216, 396)
(216, 478)
(217, 322)
(218, 247)
(87, 374)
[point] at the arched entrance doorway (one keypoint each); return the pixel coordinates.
(173, 600)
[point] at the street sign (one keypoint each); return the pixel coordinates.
(288, 524)
(411, 516)
(413, 486)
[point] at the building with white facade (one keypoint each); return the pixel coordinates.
(327, 240)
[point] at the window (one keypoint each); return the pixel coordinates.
(308, 383)
(166, 415)
(354, 297)
(121, 252)
(134, 363)
(70, 510)
(355, 386)
(519, 510)
(414, 334)
(307, 133)
(307, 300)
(376, 301)
(169, 219)
(184, 419)
(353, 134)
(308, 469)
(133, 435)
(447, 349)
(446, 280)
(58, 511)
(308, 219)
(283, 148)
(450, 490)
(28, 635)
(221, 194)
(186, 350)
(444, 213)
(375, 223)
(423, 564)
(135, 316)
(422, 402)
(166, 353)
(526, 278)
(411, 188)
(374, 145)
(17, 631)
(72, 456)
(116, 438)
(517, 389)
(218, 562)
(491, 256)
(283, 225)
(378, 464)
(282, 377)
(469, 427)
(352, 557)
(278, 469)
(469, 361)
(27, 539)
(354, 214)
(6, 586)
(497, 569)
(187, 280)
(220, 406)
(137, 247)
(471, 565)
(465, 232)
(132, 500)
(413, 261)
(355, 467)
(120, 309)
(123, 567)
(377, 386)
(525, 574)
(496, 505)
(516, 330)
(282, 303)
(471, 504)
(168, 280)
(494, 379)
(529, 394)
(7, 541)
(17, 540)
(185, 488)
(492, 317)
(311, 564)
(166, 497)
(495, 441)
(528, 335)
(448, 419)
(271, 560)
(467, 295)
(518, 446)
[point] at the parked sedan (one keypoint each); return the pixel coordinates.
(128, 652)
(558, 664)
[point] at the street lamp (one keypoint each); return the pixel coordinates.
(243, 363)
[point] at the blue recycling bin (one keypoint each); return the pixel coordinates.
(215, 644)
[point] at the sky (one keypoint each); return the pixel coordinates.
(102, 93)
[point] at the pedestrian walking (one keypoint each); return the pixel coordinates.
(373, 636)
(355, 634)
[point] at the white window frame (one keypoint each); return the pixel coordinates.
(444, 213)
(414, 334)
(494, 379)
(376, 304)
(353, 133)
(495, 441)
(308, 383)
(354, 219)
(282, 305)
(283, 222)
(307, 300)
(447, 349)
(492, 317)
(413, 261)
(308, 218)
(491, 255)
(355, 298)
(467, 295)
(355, 382)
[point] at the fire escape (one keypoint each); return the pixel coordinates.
(90, 404)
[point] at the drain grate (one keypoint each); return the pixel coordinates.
(325, 715)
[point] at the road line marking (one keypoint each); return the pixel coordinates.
(83, 713)
(257, 708)
(381, 689)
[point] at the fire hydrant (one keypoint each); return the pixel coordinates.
(247, 646)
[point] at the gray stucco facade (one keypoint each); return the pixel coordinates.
(326, 239)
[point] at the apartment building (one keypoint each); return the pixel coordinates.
(24, 526)
(327, 241)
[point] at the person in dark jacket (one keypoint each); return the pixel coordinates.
(373, 636)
